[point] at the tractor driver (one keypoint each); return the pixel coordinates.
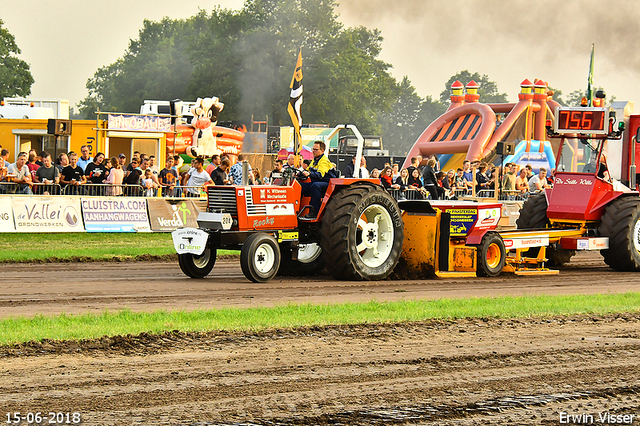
(315, 179)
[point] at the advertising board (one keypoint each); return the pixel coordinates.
(47, 214)
(102, 214)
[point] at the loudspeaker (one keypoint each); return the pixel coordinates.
(505, 148)
(59, 127)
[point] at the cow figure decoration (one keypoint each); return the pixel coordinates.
(205, 117)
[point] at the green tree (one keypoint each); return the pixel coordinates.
(488, 90)
(155, 66)
(15, 77)
(409, 117)
(246, 58)
(575, 97)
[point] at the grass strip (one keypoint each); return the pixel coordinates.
(88, 326)
(24, 247)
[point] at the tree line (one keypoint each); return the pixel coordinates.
(246, 57)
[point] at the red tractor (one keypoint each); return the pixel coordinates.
(358, 231)
(585, 198)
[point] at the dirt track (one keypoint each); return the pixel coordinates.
(462, 372)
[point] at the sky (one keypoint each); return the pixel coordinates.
(66, 41)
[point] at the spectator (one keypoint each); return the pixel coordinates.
(4, 154)
(443, 183)
(395, 171)
(148, 184)
(415, 182)
(522, 183)
(349, 171)
(509, 179)
(115, 177)
(414, 165)
(403, 182)
(47, 174)
(278, 168)
(220, 175)
(62, 161)
(39, 161)
(257, 180)
(431, 181)
(132, 178)
(467, 173)
(96, 174)
(198, 177)
(364, 173)
(153, 166)
(291, 161)
(31, 164)
(530, 173)
(386, 178)
(85, 159)
(482, 181)
(235, 171)
(168, 178)
(21, 175)
(72, 176)
(215, 163)
(375, 174)
(539, 182)
(306, 164)
(122, 161)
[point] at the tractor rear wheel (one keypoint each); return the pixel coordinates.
(533, 215)
(621, 223)
(361, 233)
(198, 266)
(260, 257)
(310, 260)
(491, 255)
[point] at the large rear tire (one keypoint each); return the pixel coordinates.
(361, 233)
(310, 260)
(198, 266)
(260, 257)
(621, 223)
(533, 215)
(492, 255)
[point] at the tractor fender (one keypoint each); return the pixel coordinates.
(476, 235)
(337, 183)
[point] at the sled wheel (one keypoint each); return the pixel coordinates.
(198, 266)
(260, 257)
(533, 215)
(491, 255)
(361, 233)
(621, 223)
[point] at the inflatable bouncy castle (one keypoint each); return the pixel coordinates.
(471, 130)
(202, 136)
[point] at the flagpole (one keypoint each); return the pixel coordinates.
(590, 78)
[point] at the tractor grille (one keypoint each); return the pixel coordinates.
(222, 199)
(260, 209)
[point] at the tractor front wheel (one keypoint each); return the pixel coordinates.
(260, 257)
(198, 266)
(310, 261)
(621, 223)
(361, 233)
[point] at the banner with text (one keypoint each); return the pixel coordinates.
(47, 214)
(169, 215)
(6, 216)
(102, 214)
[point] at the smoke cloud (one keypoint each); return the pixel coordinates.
(546, 39)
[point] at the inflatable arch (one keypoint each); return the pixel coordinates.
(471, 130)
